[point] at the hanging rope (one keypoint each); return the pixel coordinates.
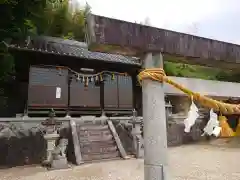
(226, 131)
(86, 78)
(158, 74)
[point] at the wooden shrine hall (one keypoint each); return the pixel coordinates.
(64, 75)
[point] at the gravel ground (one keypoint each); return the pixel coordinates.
(192, 162)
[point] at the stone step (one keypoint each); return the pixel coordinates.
(100, 156)
(95, 139)
(93, 150)
(93, 127)
(93, 133)
(96, 142)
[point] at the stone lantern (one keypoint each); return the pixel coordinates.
(51, 136)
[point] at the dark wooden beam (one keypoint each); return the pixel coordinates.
(116, 36)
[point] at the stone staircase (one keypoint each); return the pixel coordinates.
(96, 142)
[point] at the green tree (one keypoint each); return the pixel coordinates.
(24, 18)
(16, 24)
(60, 20)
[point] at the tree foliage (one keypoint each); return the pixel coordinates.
(15, 26)
(41, 17)
(59, 20)
(24, 18)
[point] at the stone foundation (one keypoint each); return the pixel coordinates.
(23, 143)
(175, 133)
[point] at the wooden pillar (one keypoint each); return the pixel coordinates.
(154, 118)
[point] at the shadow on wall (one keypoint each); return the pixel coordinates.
(23, 144)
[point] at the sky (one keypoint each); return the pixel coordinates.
(215, 19)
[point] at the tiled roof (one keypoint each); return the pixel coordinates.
(72, 48)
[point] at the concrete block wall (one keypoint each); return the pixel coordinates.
(205, 87)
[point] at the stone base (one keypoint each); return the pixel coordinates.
(141, 154)
(59, 164)
(46, 163)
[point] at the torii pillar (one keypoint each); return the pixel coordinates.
(154, 119)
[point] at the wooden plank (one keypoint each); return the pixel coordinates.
(117, 139)
(116, 36)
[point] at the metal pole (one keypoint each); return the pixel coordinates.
(154, 117)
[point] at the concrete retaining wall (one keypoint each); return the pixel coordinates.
(205, 87)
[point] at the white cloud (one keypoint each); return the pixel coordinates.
(159, 11)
